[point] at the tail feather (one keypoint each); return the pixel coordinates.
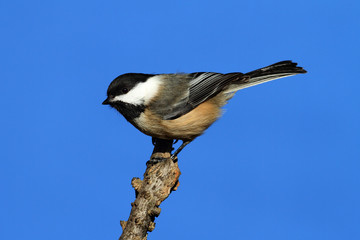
(266, 74)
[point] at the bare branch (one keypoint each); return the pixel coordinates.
(160, 179)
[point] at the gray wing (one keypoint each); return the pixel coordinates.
(201, 87)
(195, 88)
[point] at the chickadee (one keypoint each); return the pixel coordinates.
(183, 106)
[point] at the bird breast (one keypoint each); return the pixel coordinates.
(186, 127)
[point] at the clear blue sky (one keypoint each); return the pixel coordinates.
(283, 163)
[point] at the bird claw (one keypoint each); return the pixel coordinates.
(156, 160)
(174, 158)
(174, 155)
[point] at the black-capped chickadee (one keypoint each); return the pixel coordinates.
(183, 106)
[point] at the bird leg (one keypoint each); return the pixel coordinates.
(174, 155)
(162, 150)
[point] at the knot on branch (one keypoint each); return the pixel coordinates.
(176, 186)
(154, 212)
(151, 226)
(136, 183)
(123, 224)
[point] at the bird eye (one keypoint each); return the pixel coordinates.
(124, 90)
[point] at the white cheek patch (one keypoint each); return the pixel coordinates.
(142, 93)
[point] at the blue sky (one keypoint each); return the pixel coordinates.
(282, 163)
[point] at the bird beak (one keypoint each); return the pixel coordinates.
(106, 102)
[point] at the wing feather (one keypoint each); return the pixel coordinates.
(202, 86)
(196, 88)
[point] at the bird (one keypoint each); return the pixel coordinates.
(181, 106)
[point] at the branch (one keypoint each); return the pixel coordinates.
(160, 179)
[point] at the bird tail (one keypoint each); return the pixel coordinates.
(266, 74)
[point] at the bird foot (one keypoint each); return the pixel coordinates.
(155, 160)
